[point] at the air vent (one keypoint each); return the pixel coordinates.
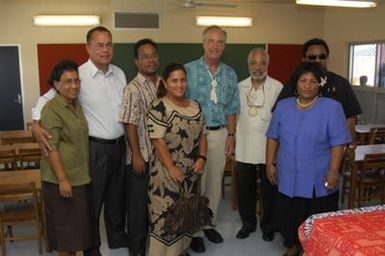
(136, 20)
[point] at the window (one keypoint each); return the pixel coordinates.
(367, 64)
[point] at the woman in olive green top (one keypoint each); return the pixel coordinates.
(65, 174)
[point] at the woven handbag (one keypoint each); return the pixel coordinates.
(188, 214)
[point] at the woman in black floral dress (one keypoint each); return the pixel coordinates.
(177, 131)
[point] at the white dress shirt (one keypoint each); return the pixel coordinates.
(251, 138)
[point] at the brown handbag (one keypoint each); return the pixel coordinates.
(188, 214)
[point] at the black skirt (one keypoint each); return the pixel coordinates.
(292, 212)
(70, 223)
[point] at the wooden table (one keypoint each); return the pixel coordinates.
(17, 146)
(17, 136)
(360, 153)
(362, 132)
(354, 232)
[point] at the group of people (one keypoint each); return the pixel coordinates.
(137, 148)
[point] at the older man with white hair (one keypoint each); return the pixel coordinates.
(258, 94)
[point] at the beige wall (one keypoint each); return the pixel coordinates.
(273, 23)
(343, 26)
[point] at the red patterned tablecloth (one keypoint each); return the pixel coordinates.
(355, 232)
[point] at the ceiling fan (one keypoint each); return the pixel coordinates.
(193, 4)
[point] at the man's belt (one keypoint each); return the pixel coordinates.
(105, 141)
(214, 128)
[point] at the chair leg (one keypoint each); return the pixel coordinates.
(10, 232)
(39, 237)
(2, 240)
(359, 197)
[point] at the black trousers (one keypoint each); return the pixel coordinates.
(247, 193)
(107, 170)
(137, 209)
(269, 195)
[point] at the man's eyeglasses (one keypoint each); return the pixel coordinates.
(147, 57)
(321, 56)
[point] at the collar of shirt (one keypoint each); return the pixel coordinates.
(217, 72)
(94, 70)
(142, 79)
(62, 103)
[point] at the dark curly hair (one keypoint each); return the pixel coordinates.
(58, 70)
(306, 67)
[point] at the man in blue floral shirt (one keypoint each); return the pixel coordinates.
(214, 85)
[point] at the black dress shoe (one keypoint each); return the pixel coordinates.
(136, 253)
(213, 235)
(92, 252)
(197, 245)
(268, 236)
(244, 232)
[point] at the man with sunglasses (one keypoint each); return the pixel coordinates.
(336, 87)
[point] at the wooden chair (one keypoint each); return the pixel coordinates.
(229, 172)
(377, 135)
(346, 168)
(28, 125)
(29, 158)
(371, 179)
(19, 211)
(8, 159)
(23, 177)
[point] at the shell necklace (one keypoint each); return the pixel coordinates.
(306, 105)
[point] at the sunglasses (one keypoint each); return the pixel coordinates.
(321, 56)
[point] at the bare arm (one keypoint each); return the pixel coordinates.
(271, 154)
(137, 160)
(199, 164)
(58, 168)
(230, 141)
(161, 151)
(42, 137)
(334, 167)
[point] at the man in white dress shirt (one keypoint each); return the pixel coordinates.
(258, 94)
(100, 96)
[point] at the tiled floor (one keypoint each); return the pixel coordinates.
(228, 225)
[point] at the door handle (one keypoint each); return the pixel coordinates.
(18, 100)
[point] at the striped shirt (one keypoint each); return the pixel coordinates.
(137, 98)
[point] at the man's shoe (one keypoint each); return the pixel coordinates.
(92, 252)
(136, 254)
(244, 232)
(268, 236)
(197, 245)
(213, 235)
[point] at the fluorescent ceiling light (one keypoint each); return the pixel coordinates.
(66, 20)
(340, 3)
(224, 21)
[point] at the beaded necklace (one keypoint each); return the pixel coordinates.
(306, 105)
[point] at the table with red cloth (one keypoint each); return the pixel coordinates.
(352, 232)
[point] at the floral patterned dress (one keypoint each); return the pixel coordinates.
(181, 128)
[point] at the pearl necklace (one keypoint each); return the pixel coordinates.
(306, 105)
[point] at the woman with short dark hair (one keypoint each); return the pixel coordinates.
(65, 173)
(306, 139)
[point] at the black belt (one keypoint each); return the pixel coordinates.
(105, 141)
(214, 128)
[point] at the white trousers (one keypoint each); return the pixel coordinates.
(211, 181)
